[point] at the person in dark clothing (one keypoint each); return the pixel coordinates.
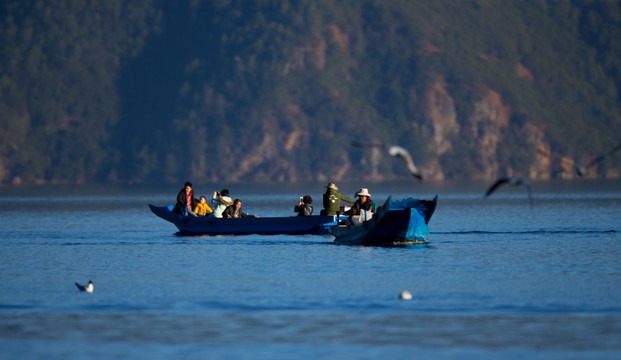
(235, 210)
(304, 207)
(186, 200)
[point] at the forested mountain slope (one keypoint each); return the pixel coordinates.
(265, 91)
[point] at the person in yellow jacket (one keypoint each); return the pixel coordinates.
(202, 209)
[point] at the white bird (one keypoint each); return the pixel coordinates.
(394, 151)
(511, 181)
(405, 295)
(398, 151)
(88, 288)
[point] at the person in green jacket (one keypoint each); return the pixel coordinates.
(332, 200)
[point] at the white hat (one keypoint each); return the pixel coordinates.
(363, 192)
(332, 185)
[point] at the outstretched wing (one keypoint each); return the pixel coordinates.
(579, 168)
(542, 152)
(603, 156)
(529, 191)
(80, 287)
(496, 185)
(398, 151)
(368, 144)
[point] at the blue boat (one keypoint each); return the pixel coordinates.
(396, 223)
(285, 225)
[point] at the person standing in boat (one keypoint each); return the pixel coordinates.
(332, 199)
(235, 210)
(185, 200)
(221, 199)
(304, 207)
(202, 208)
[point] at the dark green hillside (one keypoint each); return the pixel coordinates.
(232, 91)
(58, 101)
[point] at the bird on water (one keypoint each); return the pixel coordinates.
(88, 288)
(405, 295)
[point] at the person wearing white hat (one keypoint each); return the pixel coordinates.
(362, 209)
(332, 199)
(364, 202)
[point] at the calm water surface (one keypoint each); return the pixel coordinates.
(497, 280)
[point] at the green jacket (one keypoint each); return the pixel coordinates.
(332, 201)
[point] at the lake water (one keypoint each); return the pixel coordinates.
(498, 279)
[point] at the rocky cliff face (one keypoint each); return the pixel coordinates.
(441, 127)
(482, 133)
(478, 138)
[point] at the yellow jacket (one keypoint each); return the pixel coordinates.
(202, 209)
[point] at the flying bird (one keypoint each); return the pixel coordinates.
(365, 144)
(582, 169)
(88, 288)
(398, 151)
(511, 181)
(394, 151)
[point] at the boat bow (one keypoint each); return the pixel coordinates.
(396, 223)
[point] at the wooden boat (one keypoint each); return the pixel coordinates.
(396, 223)
(286, 225)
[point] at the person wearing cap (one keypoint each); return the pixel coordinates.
(221, 199)
(185, 200)
(332, 200)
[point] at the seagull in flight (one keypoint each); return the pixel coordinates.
(511, 181)
(394, 151)
(88, 288)
(582, 169)
(398, 151)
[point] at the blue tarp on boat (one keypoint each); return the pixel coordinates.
(397, 223)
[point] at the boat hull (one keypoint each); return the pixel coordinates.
(286, 225)
(397, 223)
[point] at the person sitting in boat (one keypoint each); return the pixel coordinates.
(235, 210)
(185, 200)
(332, 199)
(362, 209)
(304, 207)
(221, 199)
(202, 209)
